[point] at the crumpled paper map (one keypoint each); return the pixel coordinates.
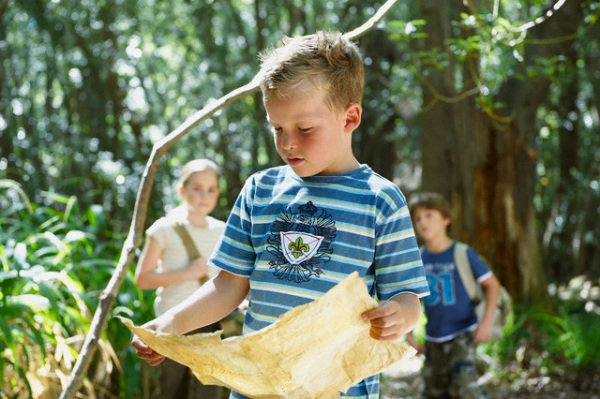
(313, 351)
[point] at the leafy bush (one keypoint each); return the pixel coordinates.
(55, 261)
(559, 343)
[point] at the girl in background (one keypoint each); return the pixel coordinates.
(166, 264)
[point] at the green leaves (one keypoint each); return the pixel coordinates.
(53, 267)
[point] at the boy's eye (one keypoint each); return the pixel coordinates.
(304, 130)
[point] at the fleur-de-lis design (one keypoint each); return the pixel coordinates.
(298, 247)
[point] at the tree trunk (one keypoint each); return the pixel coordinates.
(438, 119)
(484, 164)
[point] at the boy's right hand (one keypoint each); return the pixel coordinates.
(146, 353)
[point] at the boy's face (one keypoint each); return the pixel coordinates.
(309, 136)
(430, 223)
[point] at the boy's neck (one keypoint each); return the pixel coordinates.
(439, 244)
(349, 166)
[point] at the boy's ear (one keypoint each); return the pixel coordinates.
(447, 221)
(353, 113)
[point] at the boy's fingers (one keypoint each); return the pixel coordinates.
(380, 312)
(146, 353)
(154, 359)
(140, 346)
(381, 334)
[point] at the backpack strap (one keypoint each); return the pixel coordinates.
(188, 242)
(190, 247)
(464, 269)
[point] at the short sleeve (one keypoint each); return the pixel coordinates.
(480, 269)
(159, 231)
(399, 268)
(235, 253)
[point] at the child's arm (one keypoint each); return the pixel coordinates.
(147, 278)
(394, 318)
(410, 337)
(483, 332)
(209, 304)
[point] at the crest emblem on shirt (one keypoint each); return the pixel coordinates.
(298, 247)
(301, 243)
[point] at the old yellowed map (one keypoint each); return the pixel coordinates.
(313, 351)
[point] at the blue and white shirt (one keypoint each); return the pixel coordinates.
(295, 238)
(449, 309)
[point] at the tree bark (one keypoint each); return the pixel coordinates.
(485, 165)
(519, 256)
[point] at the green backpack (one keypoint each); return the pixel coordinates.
(504, 305)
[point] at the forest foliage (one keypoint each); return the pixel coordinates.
(88, 87)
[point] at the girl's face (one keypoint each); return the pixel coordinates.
(309, 136)
(201, 192)
(430, 223)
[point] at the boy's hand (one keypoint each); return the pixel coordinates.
(143, 351)
(146, 353)
(394, 318)
(386, 322)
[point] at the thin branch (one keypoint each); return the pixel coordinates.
(541, 19)
(372, 22)
(134, 237)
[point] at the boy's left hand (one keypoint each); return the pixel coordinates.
(394, 318)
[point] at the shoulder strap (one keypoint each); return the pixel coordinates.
(190, 247)
(464, 269)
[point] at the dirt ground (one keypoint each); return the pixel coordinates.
(405, 382)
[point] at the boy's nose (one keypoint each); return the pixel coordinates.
(287, 141)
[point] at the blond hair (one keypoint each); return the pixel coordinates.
(327, 60)
(196, 165)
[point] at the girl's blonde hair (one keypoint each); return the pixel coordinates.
(197, 165)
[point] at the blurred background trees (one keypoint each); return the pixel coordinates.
(493, 104)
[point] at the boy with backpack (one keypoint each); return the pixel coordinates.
(453, 329)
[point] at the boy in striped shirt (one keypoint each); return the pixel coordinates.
(298, 230)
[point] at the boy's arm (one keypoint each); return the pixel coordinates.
(483, 332)
(394, 318)
(209, 304)
(410, 337)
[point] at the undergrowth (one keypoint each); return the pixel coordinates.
(56, 259)
(560, 343)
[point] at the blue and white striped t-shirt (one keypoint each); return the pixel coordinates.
(295, 238)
